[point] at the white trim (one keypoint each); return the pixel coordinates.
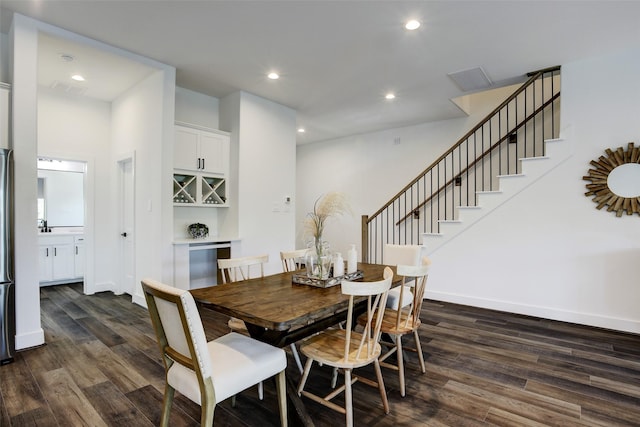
(589, 319)
(32, 339)
(199, 127)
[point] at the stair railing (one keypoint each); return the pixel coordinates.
(516, 129)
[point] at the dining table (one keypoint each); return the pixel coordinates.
(280, 312)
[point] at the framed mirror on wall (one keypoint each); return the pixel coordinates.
(615, 180)
(60, 193)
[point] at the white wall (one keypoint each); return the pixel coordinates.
(547, 252)
(137, 127)
(196, 108)
(4, 58)
(372, 168)
(265, 143)
(24, 54)
(78, 128)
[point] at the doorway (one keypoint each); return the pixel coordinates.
(126, 221)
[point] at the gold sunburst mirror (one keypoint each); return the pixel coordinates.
(615, 181)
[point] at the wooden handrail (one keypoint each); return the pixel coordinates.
(521, 89)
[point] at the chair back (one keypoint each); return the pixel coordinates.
(178, 328)
(243, 268)
(376, 293)
(291, 260)
(402, 254)
(410, 314)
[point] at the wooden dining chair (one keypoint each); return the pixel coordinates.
(242, 268)
(347, 349)
(207, 372)
(401, 255)
(292, 260)
(400, 321)
(235, 270)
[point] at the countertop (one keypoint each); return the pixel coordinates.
(214, 239)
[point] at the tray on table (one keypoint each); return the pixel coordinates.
(303, 279)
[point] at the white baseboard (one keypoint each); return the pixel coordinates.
(139, 299)
(31, 339)
(588, 319)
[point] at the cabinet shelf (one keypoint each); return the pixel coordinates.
(184, 189)
(199, 190)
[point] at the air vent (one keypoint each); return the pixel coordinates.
(472, 79)
(67, 88)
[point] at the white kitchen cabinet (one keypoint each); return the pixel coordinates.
(78, 256)
(201, 150)
(57, 259)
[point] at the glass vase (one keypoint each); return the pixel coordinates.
(318, 259)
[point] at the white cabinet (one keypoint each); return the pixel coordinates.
(78, 256)
(201, 165)
(200, 150)
(57, 257)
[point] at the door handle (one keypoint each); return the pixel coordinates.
(124, 234)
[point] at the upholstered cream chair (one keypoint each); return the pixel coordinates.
(401, 255)
(402, 320)
(347, 349)
(207, 372)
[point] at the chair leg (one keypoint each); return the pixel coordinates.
(206, 417)
(296, 357)
(383, 392)
(281, 386)
(334, 378)
(305, 374)
(166, 405)
(348, 400)
(400, 356)
(419, 348)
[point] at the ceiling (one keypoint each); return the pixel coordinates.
(337, 59)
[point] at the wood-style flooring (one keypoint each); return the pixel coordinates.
(101, 367)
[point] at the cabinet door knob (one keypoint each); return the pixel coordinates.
(124, 234)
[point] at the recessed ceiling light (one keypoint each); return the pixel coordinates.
(412, 25)
(390, 96)
(77, 77)
(301, 130)
(273, 76)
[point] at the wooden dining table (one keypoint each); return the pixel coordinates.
(280, 312)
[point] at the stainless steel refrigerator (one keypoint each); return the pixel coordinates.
(7, 285)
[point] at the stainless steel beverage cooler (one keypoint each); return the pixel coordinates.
(7, 290)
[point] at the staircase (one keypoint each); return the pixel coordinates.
(533, 168)
(513, 147)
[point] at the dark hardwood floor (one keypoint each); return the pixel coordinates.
(101, 367)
